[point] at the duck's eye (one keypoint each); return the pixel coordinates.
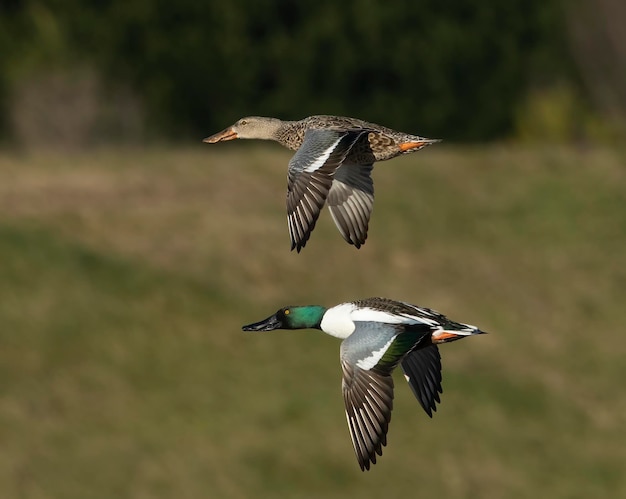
(243, 122)
(287, 311)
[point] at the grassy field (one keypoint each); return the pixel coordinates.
(125, 277)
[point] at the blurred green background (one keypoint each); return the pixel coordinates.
(131, 254)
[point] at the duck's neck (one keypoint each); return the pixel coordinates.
(289, 134)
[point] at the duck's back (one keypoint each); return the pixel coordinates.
(381, 143)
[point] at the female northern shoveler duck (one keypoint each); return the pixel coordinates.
(378, 335)
(333, 165)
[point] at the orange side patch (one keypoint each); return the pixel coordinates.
(444, 336)
(407, 146)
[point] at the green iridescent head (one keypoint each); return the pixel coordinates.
(301, 317)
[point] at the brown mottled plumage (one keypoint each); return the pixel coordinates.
(332, 164)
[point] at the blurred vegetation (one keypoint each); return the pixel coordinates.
(127, 273)
(126, 276)
(181, 69)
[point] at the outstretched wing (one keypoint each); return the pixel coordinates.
(422, 369)
(350, 200)
(368, 357)
(310, 176)
(368, 396)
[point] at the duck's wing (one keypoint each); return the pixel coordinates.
(368, 396)
(422, 370)
(310, 177)
(368, 357)
(350, 200)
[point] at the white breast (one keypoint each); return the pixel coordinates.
(337, 321)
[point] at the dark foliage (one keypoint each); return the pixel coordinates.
(456, 69)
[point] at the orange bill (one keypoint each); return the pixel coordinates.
(227, 134)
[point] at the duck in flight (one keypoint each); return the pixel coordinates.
(332, 165)
(378, 334)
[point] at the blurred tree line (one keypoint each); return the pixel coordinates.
(459, 69)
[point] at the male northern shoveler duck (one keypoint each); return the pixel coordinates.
(333, 165)
(378, 334)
